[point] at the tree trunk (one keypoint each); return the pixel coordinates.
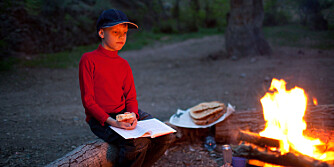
(94, 153)
(176, 14)
(195, 9)
(244, 31)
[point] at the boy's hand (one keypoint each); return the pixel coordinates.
(128, 124)
(132, 121)
(125, 125)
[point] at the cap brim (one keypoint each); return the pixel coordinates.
(130, 24)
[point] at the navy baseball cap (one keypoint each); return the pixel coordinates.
(112, 17)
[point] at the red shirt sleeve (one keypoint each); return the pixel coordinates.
(131, 103)
(86, 74)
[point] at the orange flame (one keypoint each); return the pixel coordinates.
(315, 101)
(284, 111)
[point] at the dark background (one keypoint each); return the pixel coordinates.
(45, 26)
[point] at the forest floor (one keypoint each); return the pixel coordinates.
(42, 118)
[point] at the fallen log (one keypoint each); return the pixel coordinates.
(320, 116)
(91, 154)
(249, 120)
(257, 139)
(251, 151)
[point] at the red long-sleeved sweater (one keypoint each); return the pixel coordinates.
(106, 84)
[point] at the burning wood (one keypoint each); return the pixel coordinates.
(257, 139)
(284, 112)
(251, 151)
(260, 148)
(284, 140)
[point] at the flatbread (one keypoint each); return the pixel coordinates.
(209, 119)
(205, 105)
(123, 117)
(205, 113)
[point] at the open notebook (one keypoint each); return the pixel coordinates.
(145, 128)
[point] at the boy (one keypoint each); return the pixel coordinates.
(107, 89)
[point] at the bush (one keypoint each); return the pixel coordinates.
(276, 12)
(272, 18)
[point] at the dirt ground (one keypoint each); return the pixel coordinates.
(42, 118)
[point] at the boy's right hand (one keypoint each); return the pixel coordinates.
(126, 125)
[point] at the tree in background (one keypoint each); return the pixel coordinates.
(191, 15)
(311, 13)
(276, 12)
(244, 30)
(44, 26)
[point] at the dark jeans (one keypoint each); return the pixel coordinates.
(137, 152)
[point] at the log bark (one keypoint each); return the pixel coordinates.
(227, 130)
(244, 35)
(257, 139)
(190, 135)
(290, 159)
(320, 116)
(92, 154)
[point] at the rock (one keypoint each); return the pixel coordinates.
(243, 75)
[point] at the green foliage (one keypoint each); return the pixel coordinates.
(190, 16)
(314, 13)
(299, 36)
(5, 5)
(70, 20)
(101, 5)
(136, 40)
(220, 9)
(275, 13)
(3, 43)
(275, 18)
(328, 14)
(166, 26)
(59, 60)
(33, 7)
(8, 63)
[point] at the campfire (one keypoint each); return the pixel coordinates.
(284, 111)
(283, 141)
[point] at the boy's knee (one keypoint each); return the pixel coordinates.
(139, 144)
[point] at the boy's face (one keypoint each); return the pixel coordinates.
(114, 38)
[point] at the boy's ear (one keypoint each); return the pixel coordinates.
(101, 33)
